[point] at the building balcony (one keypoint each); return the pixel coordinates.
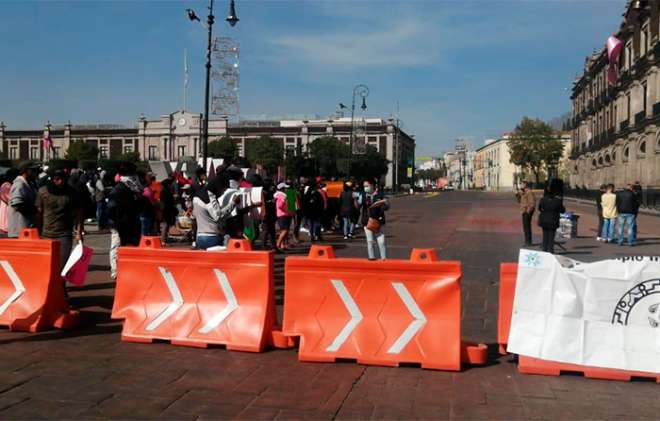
(640, 117)
(624, 125)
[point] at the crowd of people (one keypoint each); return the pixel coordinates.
(618, 210)
(130, 204)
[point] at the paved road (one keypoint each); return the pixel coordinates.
(89, 373)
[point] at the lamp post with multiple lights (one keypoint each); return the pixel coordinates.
(232, 19)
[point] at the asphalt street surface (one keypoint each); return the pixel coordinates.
(88, 373)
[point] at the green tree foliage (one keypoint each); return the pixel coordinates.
(224, 148)
(266, 151)
(371, 165)
(133, 157)
(535, 146)
(300, 165)
(430, 174)
(330, 155)
(81, 151)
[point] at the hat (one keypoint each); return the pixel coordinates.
(27, 165)
(282, 186)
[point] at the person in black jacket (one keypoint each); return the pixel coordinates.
(627, 205)
(599, 207)
(169, 209)
(312, 208)
(550, 207)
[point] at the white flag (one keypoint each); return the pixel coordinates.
(601, 314)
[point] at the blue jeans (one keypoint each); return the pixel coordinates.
(314, 228)
(207, 241)
(348, 226)
(101, 214)
(628, 219)
(145, 223)
(608, 229)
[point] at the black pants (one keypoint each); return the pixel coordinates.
(549, 240)
(600, 224)
(269, 233)
(527, 227)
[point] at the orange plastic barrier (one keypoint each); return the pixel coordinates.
(508, 274)
(197, 298)
(31, 288)
(529, 365)
(334, 188)
(381, 312)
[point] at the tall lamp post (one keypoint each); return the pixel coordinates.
(363, 92)
(232, 19)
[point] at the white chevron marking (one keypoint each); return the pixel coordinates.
(414, 326)
(16, 281)
(232, 303)
(177, 300)
(356, 316)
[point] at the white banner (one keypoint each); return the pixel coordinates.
(601, 314)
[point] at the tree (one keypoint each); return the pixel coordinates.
(266, 151)
(371, 165)
(80, 150)
(330, 155)
(535, 146)
(133, 157)
(224, 148)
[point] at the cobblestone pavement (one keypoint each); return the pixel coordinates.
(89, 373)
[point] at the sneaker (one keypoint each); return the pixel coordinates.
(346, 237)
(599, 238)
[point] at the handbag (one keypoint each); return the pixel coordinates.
(77, 265)
(373, 224)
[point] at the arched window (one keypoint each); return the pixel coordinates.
(600, 161)
(608, 159)
(594, 164)
(626, 153)
(642, 148)
(614, 156)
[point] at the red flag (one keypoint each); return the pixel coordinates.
(614, 46)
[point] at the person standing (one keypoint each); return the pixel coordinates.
(639, 195)
(125, 205)
(599, 209)
(168, 208)
(527, 207)
(609, 214)
(373, 220)
(270, 214)
(347, 208)
(312, 206)
(5, 188)
(551, 207)
(59, 213)
(627, 206)
(102, 188)
(210, 214)
(22, 197)
(284, 215)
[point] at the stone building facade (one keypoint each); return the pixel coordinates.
(616, 129)
(178, 135)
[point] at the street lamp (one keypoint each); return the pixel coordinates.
(363, 92)
(232, 19)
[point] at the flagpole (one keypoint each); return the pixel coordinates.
(185, 79)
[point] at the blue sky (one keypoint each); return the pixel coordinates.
(464, 68)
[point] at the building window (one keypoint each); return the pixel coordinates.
(13, 152)
(644, 39)
(153, 153)
(181, 151)
(642, 148)
(645, 92)
(128, 149)
(103, 152)
(628, 58)
(628, 104)
(34, 152)
(626, 153)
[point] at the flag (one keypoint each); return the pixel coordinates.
(47, 142)
(599, 314)
(614, 46)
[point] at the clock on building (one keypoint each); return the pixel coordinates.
(182, 121)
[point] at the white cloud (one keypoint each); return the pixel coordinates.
(401, 45)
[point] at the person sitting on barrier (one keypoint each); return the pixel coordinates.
(373, 220)
(125, 205)
(210, 214)
(22, 196)
(59, 213)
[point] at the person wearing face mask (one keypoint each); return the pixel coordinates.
(22, 196)
(373, 220)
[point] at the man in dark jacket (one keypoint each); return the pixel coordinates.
(551, 207)
(627, 205)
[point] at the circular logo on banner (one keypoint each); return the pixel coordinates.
(635, 299)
